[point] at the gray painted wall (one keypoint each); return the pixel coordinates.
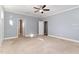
(31, 24)
(1, 24)
(65, 24)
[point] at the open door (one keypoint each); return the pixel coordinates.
(43, 28)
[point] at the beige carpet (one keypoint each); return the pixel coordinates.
(39, 45)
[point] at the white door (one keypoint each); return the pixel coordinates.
(41, 27)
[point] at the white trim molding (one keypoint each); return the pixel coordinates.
(69, 9)
(64, 38)
(10, 38)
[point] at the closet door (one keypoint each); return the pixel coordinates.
(41, 27)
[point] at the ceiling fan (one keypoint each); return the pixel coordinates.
(41, 9)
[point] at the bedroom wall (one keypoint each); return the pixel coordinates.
(1, 24)
(65, 24)
(10, 30)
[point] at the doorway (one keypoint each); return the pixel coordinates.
(21, 28)
(46, 28)
(43, 28)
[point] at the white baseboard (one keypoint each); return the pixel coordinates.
(10, 38)
(68, 39)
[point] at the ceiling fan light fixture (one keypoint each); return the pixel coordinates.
(40, 10)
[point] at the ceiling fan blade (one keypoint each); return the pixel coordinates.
(35, 7)
(43, 6)
(46, 9)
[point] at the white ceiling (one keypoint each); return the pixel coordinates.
(29, 10)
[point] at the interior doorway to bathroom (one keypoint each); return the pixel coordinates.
(21, 28)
